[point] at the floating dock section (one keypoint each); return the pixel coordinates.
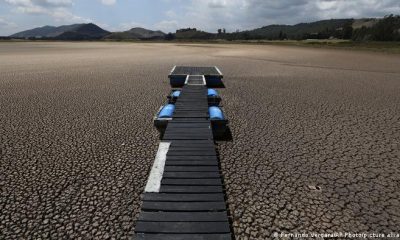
(184, 195)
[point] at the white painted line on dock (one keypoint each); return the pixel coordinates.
(156, 173)
(218, 70)
(187, 79)
(173, 69)
(197, 84)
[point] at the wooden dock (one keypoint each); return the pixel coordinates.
(188, 201)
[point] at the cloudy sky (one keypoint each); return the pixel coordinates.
(168, 15)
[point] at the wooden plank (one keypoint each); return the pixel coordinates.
(190, 189)
(204, 131)
(195, 127)
(188, 107)
(191, 101)
(188, 133)
(191, 169)
(195, 103)
(192, 158)
(189, 130)
(191, 148)
(203, 109)
(183, 217)
(194, 143)
(150, 236)
(186, 137)
(174, 197)
(198, 100)
(208, 132)
(193, 175)
(183, 206)
(191, 163)
(188, 125)
(191, 105)
(182, 227)
(192, 153)
(192, 182)
(185, 149)
(190, 111)
(190, 115)
(190, 120)
(191, 108)
(192, 96)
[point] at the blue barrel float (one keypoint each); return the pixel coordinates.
(212, 92)
(174, 95)
(218, 121)
(213, 98)
(167, 111)
(163, 116)
(216, 113)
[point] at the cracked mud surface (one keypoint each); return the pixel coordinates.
(315, 147)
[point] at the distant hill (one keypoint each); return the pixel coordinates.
(337, 28)
(320, 29)
(384, 29)
(137, 33)
(364, 29)
(364, 22)
(193, 33)
(84, 31)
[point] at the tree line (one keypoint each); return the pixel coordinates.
(387, 29)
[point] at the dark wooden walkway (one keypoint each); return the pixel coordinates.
(190, 203)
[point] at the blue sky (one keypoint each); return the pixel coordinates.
(168, 15)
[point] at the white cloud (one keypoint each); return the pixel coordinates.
(246, 14)
(6, 24)
(171, 14)
(166, 25)
(210, 15)
(57, 9)
(7, 27)
(217, 4)
(63, 15)
(108, 2)
(42, 3)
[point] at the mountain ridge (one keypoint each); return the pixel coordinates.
(362, 29)
(64, 32)
(137, 33)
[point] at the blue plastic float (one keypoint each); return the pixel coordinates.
(163, 117)
(213, 98)
(218, 122)
(212, 92)
(176, 94)
(216, 113)
(167, 111)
